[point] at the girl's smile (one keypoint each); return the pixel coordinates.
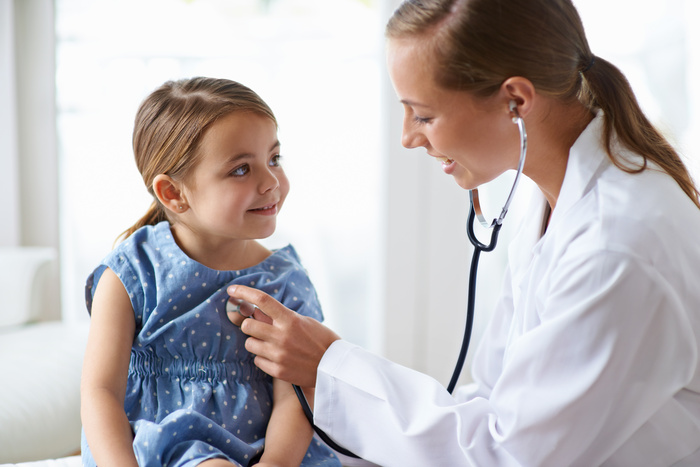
(235, 191)
(269, 210)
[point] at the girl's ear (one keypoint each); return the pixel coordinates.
(169, 194)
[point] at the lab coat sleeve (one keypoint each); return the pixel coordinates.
(602, 362)
(394, 416)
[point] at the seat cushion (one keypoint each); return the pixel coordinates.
(40, 394)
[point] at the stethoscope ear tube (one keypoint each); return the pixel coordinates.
(474, 213)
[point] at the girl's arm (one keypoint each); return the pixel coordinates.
(289, 432)
(105, 368)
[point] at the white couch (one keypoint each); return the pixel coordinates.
(40, 363)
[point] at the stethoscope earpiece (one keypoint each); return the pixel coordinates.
(513, 107)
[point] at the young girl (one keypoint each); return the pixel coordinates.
(166, 379)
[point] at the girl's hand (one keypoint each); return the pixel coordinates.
(287, 345)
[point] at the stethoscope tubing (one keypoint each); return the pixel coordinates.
(474, 214)
(471, 294)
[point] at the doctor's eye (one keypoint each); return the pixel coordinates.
(276, 161)
(421, 120)
(240, 171)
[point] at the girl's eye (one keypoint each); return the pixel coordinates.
(276, 161)
(240, 171)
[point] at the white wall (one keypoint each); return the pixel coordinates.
(29, 165)
(9, 161)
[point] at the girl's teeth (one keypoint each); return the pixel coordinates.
(445, 160)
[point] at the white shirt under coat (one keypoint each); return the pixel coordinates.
(590, 358)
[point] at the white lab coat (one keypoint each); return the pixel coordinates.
(591, 357)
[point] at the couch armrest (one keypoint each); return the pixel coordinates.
(23, 283)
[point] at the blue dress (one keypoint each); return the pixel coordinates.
(193, 392)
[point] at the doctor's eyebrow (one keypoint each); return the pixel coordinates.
(412, 103)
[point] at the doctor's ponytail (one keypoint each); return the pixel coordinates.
(605, 87)
(478, 44)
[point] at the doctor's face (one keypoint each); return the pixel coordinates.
(473, 138)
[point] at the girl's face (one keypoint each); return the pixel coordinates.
(470, 136)
(238, 186)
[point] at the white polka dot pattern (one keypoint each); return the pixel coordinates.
(193, 390)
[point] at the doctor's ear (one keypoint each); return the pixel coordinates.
(169, 193)
(519, 93)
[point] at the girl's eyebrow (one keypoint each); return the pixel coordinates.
(246, 155)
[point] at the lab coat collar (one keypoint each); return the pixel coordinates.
(587, 159)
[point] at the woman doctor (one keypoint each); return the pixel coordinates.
(591, 357)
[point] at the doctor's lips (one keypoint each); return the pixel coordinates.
(448, 165)
(445, 160)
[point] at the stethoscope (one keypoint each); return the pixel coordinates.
(475, 213)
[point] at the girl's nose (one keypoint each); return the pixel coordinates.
(268, 181)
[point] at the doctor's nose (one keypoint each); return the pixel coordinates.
(410, 137)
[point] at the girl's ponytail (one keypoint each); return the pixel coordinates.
(154, 215)
(605, 87)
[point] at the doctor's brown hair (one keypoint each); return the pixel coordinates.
(478, 44)
(170, 124)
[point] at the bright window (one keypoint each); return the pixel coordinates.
(316, 63)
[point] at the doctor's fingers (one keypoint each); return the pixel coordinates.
(296, 345)
(281, 365)
(269, 306)
(237, 315)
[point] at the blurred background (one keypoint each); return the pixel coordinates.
(380, 228)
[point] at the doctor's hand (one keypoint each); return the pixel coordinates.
(286, 345)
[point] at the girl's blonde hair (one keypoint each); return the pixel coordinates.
(479, 44)
(169, 126)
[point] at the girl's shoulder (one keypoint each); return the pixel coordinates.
(137, 258)
(288, 253)
(283, 259)
(151, 243)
